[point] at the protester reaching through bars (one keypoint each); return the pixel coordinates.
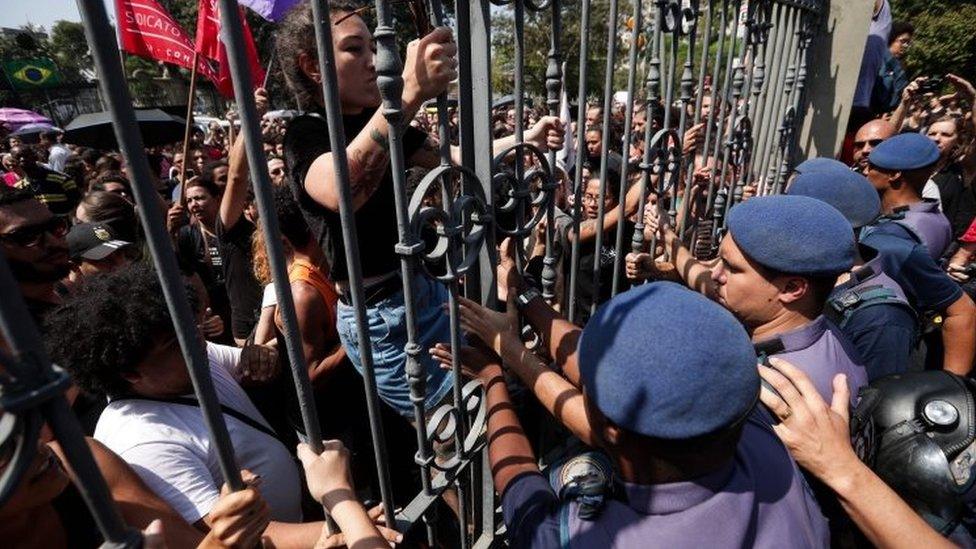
(429, 67)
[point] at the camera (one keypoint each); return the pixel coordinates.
(932, 84)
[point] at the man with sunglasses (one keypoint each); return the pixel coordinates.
(56, 190)
(33, 241)
(870, 136)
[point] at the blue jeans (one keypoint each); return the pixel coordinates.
(387, 330)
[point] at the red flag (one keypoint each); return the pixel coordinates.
(209, 46)
(147, 30)
(208, 29)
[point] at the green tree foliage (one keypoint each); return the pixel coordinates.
(536, 44)
(945, 35)
(65, 45)
(69, 49)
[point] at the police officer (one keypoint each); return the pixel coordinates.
(777, 265)
(911, 236)
(869, 307)
(898, 168)
(675, 413)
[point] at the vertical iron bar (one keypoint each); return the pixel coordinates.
(787, 64)
(625, 152)
(553, 88)
(233, 39)
(472, 284)
(789, 84)
(685, 99)
(771, 122)
(808, 20)
(713, 108)
(350, 238)
(703, 68)
(474, 36)
(733, 84)
(604, 149)
(761, 95)
(581, 107)
(103, 47)
(673, 35)
(31, 367)
(437, 18)
(756, 32)
(653, 86)
(521, 189)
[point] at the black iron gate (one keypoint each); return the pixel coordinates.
(735, 69)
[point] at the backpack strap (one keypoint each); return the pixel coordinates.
(842, 307)
(187, 401)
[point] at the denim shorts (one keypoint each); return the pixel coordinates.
(387, 330)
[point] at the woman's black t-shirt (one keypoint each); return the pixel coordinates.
(958, 199)
(307, 138)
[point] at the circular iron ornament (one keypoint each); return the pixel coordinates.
(740, 144)
(443, 424)
(665, 158)
(521, 191)
(460, 231)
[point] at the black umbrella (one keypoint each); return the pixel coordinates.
(95, 129)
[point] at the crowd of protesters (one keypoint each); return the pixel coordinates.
(710, 391)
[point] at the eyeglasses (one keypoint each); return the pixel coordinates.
(872, 142)
(28, 237)
(278, 171)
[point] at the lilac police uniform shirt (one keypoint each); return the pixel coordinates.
(821, 351)
(758, 499)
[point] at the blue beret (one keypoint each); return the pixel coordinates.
(793, 234)
(819, 164)
(663, 361)
(906, 151)
(850, 192)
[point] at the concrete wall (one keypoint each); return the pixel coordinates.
(834, 64)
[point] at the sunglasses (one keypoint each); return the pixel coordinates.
(277, 171)
(28, 237)
(872, 142)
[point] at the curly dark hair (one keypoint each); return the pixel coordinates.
(108, 326)
(296, 35)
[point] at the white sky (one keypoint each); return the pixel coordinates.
(16, 13)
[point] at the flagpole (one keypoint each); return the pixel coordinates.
(271, 60)
(189, 125)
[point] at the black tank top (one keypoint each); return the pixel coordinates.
(306, 139)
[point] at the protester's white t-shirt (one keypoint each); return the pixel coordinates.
(931, 190)
(169, 446)
(269, 298)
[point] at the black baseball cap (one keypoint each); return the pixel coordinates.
(93, 241)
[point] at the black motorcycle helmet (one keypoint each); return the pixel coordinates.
(919, 432)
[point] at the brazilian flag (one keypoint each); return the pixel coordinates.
(27, 74)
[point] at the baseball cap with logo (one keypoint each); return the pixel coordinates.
(93, 241)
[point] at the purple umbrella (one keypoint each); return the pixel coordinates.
(13, 119)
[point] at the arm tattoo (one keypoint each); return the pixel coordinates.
(366, 170)
(367, 167)
(380, 139)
